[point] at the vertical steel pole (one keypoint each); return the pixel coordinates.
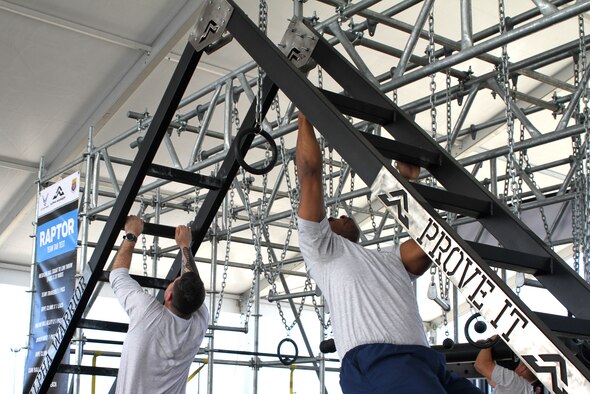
(84, 240)
(156, 239)
(212, 292)
(256, 326)
(466, 24)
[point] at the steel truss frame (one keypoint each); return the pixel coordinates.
(132, 189)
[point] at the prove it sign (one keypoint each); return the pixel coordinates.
(55, 255)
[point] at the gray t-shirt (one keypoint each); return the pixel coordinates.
(508, 382)
(369, 292)
(160, 346)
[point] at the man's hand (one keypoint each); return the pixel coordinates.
(183, 237)
(133, 225)
(408, 171)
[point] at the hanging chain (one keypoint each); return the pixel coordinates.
(352, 177)
(432, 60)
(585, 179)
(333, 207)
(262, 23)
(504, 79)
(320, 78)
(228, 227)
(372, 214)
(527, 171)
(255, 241)
(448, 106)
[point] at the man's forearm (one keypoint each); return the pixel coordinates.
(188, 261)
(124, 255)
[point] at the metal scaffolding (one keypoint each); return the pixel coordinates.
(258, 210)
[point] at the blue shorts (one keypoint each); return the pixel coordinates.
(405, 369)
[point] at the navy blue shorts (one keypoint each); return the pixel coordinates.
(405, 369)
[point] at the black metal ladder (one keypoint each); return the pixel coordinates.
(141, 167)
(525, 331)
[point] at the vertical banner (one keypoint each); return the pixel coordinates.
(56, 256)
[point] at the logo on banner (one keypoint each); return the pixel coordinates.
(397, 199)
(59, 194)
(557, 368)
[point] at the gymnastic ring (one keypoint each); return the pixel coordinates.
(273, 149)
(479, 344)
(287, 360)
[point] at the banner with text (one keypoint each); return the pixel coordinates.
(54, 281)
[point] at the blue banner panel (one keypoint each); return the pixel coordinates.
(57, 236)
(54, 286)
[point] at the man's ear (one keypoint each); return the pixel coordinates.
(168, 296)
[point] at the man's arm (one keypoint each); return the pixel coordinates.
(183, 237)
(485, 364)
(133, 225)
(413, 257)
(309, 170)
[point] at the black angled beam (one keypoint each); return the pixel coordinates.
(145, 155)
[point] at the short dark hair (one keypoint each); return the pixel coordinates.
(188, 293)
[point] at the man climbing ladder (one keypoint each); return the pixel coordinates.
(377, 327)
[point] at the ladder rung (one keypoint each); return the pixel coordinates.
(144, 281)
(181, 176)
(102, 325)
(565, 326)
(396, 150)
(87, 370)
(454, 202)
(360, 109)
(465, 352)
(159, 230)
(512, 259)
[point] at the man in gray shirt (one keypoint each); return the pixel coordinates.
(162, 340)
(378, 330)
(504, 380)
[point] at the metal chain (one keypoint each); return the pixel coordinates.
(256, 242)
(333, 208)
(276, 105)
(262, 23)
(431, 60)
(448, 106)
(372, 214)
(320, 78)
(352, 178)
(236, 113)
(504, 79)
(527, 171)
(585, 180)
(228, 227)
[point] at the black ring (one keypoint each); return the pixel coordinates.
(480, 345)
(287, 360)
(273, 149)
